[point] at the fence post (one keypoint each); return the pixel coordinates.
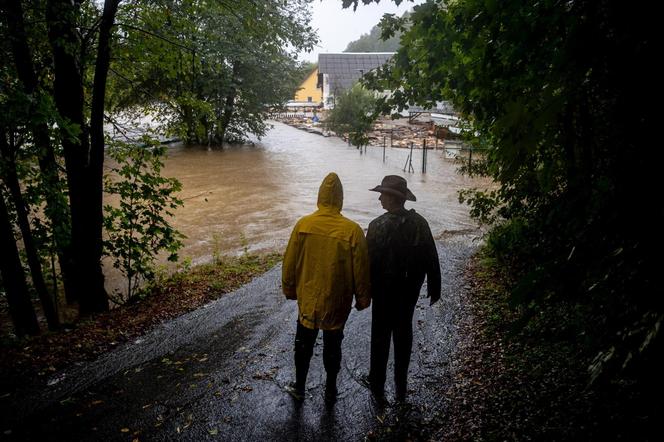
(470, 160)
(409, 160)
(424, 156)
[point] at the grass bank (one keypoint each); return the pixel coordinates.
(34, 359)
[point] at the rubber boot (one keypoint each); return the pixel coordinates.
(331, 387)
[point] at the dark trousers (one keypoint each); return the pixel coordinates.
(305, 338)
(391, 321)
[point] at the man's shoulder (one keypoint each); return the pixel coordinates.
(385, 217)
(385, 223)
(417, 217)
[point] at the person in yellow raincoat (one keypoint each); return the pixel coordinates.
(325, 264)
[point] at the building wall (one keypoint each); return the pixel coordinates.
(308, 89)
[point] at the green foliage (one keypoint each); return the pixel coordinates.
(210, 70)
(372, 42)
(557, 92)
(137, 228)
(353, 115)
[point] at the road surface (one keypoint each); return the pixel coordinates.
(219, 373)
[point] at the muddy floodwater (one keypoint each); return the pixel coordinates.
(249, 197)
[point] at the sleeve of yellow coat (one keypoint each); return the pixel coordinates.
(289, 270)
(361, 268)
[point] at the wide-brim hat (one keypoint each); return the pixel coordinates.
(395, 185)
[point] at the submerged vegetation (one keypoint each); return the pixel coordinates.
(353, 115)
(209, 70)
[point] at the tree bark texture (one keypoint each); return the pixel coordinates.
(82, 165)
(13, 278)
(9, 177)
(56, 208)
(229, 105)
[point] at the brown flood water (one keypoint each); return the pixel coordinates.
(251, 196)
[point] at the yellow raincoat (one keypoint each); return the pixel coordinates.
(326, 262)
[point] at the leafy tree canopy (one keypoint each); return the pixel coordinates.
(353, 114)
(211, 70)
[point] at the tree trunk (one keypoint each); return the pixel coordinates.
(229, 105)
(82, 165)
(20, 307)
(56, 206)
(97, 144)
(7, 154)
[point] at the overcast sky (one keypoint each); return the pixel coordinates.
(337, 27)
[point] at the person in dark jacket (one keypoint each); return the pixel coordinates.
(402, 252)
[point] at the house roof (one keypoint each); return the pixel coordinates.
(345, 68)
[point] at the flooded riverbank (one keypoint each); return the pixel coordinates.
(249, 197)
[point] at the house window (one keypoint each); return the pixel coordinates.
(309, 99)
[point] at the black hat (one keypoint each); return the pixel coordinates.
(395, 185)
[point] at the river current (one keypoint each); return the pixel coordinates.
(249, 197)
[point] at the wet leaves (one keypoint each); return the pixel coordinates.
(505, 383)
(266, 375)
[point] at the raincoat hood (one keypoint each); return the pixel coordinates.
(331, 193)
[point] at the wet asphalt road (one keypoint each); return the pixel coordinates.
(219, 373)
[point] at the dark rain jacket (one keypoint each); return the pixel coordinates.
(326, 262)
(401, 252)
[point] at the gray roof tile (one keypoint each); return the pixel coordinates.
(345, 69)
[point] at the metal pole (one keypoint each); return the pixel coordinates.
(411, 169)
(410, 159)
(424, 156)
(383, 148)
(470, 160)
